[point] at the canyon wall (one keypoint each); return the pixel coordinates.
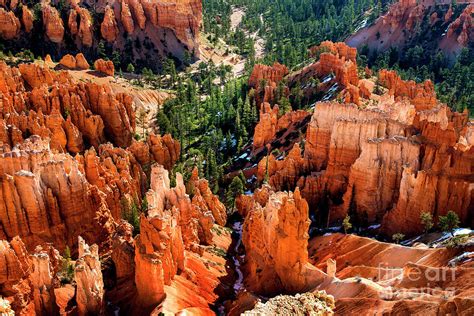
(434, 21)
(139, 29)
(378, 157)
(275, 237)
(70, 167)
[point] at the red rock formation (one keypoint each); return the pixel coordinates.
(356, 159)
(88, 277)
(127, 19)
(53, 24)
(54, 204)
(404, 18)
(422, 96)
(80, 25)
(163, 27)
(164, 149)
(269, 77)
(463, 26)
(14, 271)
(138, 14)
(275, 236)
(382, 277)
(183, 17)
(205, 199)
(108, 28)
(339, 49)
(97, 181)
(9, 24)
(273, 73)
(266, 128)
(27, 18)
(68, 61)
(81, 62)
(345, 71)
(105, 67)
(173, 223)
(269, 125)
(375, 176)
(28, 281)
(336, 68)
(449, 14)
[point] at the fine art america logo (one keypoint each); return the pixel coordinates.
(416, 281)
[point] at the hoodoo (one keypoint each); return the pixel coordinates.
(189, 157)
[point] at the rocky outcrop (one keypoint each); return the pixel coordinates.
(275, 237)
(205, 199)
(104, 66)
(273, 73)
(335, 72)
(160, 28)
(81, 62)
(109, 28)
(80, 25)
(183, 17)
(9, 24)
(172, 224)
(52, 22)
(51, 199)
(27, 18)
(266, 128)
(126, 16)
(397, 28)
(66, 111)
(422, 95)
(318, 303)
(88, 277)
(364, 158)
(340, 49)
(383, 277)
(264, 80)
(335, 59)
(270, 124)
(28, 280)
(68, 61)
(70, 116)
(462, 27)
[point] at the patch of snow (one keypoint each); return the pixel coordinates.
(331, 92)
(244, 155)
(327, 78)
(465, 257)
(252, 179)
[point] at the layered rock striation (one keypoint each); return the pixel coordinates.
(275, 237)
(408, 22)
(166, 27)
(374, 158)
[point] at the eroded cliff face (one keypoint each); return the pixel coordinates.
(275, 237)
(264, 79)
(169, 27)
(386, 278)
(69, 167)
(406, 18)
(371, 155)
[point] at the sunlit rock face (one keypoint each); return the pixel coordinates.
(405, 17)
(275, 237)
(160, 28)
(372, 152)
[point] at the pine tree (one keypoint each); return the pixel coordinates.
(449, 222)
(235, 189)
